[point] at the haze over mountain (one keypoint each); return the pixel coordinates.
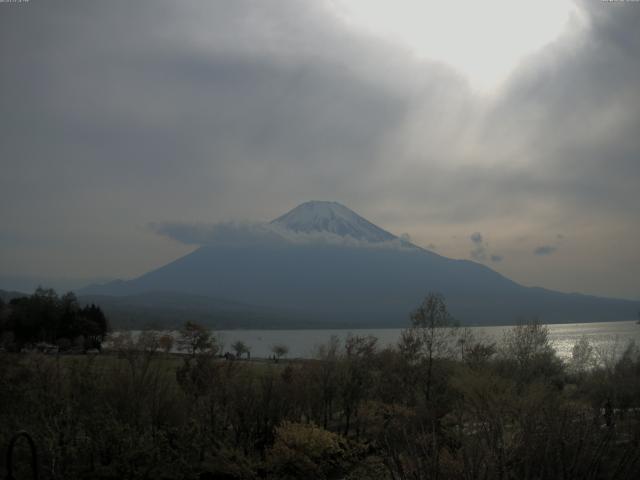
(322, 262)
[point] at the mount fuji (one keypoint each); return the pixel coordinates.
(321, 264)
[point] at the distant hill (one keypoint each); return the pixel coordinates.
(169, 310)
(331, 267)
(8, 295)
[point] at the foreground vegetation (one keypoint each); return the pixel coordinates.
(441, 404)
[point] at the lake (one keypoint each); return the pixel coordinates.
(303, 343)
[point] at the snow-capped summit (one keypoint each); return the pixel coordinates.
(334, 218)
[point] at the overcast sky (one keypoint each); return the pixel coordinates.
(116, 115)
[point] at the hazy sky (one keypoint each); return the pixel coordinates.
(506, 135)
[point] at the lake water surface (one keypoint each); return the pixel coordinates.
(303, 343)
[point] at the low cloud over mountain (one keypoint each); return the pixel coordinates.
(320, 223)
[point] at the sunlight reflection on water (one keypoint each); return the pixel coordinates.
(303, 343)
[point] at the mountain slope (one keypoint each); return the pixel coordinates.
(169, 310)
(376, 282)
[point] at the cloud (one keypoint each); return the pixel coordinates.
(545, 250)
(478, 249)
(224, 233)
(243, 108)
(256, 233)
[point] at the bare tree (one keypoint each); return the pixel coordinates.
(195, 339)
(241, 348)
(529, 347)
(356, 374)
(166, 342)
(432, 333)
(279, 350)
(326, 376)
(582, 356)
